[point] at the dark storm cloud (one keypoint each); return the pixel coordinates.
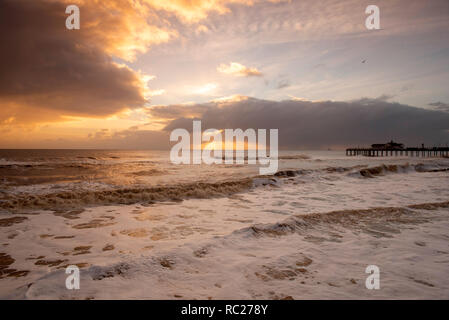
(48, 71)
(308, 124)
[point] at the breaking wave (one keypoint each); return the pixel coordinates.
(398, 168)
(382, 169)
(73, 199)
(69, 199)
(380, 222)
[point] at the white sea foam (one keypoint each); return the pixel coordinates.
(308, 232)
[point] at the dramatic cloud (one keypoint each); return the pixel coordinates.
(64, 84)
(48, 72)
(239, 70)
(123, 28)
(306, 124)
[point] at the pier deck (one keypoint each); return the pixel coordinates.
(410, 152)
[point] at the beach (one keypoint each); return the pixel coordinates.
(140, 227)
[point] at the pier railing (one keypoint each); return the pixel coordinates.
(408, 152)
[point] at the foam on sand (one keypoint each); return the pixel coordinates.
(322, 255)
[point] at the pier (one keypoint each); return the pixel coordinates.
(410, 152)
(392, 149)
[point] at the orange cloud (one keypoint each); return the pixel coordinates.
(195, 10)
(123, 28)
(49, 72)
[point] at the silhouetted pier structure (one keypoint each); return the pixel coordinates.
(397, 149)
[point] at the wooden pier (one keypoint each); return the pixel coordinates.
(408, 152)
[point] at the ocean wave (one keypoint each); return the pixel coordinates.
(383, 169)
(75, 199)
(363, 170)
(265, 267)
(376, 221)
(289, 173)
(280, 157)
(399, 168)
(108, 195)
(294, 157)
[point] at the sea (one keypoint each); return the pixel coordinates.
(140, 227)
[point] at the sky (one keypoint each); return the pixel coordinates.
(137, 69)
